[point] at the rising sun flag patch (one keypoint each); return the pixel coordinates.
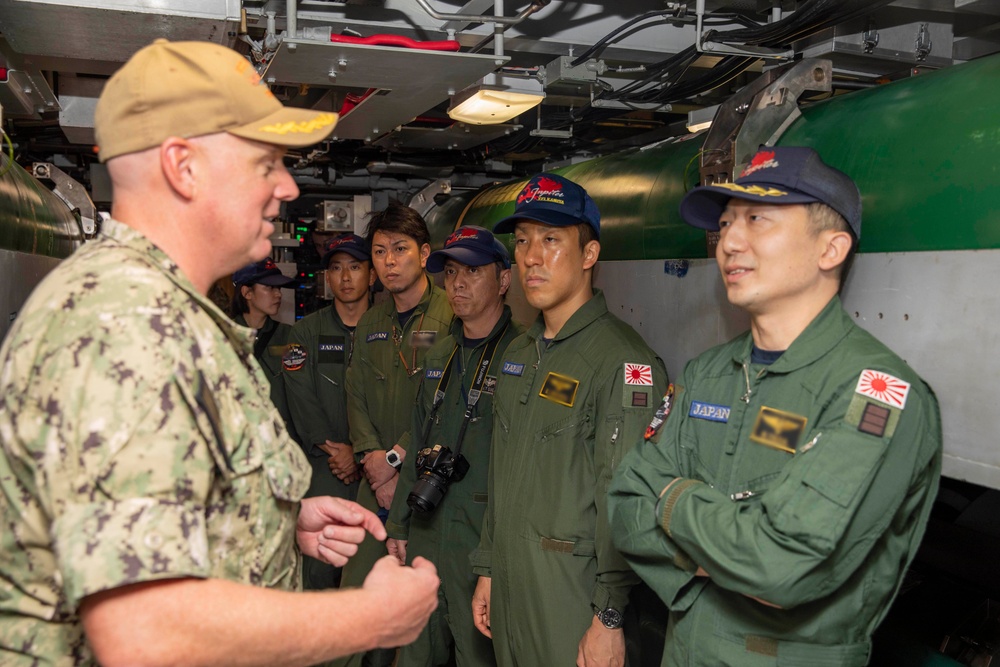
(639, 374)
(883, 387)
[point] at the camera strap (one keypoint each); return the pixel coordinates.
(482, 372)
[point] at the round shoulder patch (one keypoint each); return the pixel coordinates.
(294, 357)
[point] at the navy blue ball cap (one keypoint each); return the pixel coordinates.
(265, 272)
(778, 175)
(552, 200)
(472, 246)
(352, 244)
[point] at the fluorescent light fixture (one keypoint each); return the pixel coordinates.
(701, 119)
(495, 99)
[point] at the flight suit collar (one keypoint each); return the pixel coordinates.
(585, 315)
(241, 337)
(335, 316)
(422, 306)
(821, 335)
(456, 328)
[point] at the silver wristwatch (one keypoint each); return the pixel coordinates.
(611, 618)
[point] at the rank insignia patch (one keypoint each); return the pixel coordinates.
(871, 416)
(489, 385)
(640, 399)
(778, 429)
(662, 413)
(423, 339)
(639, 375)
(874, 419)
(883, 387)
(294, 357)
(559, 389)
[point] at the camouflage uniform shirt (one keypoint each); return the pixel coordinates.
(138, 444)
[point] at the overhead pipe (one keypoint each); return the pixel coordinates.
(503, 20)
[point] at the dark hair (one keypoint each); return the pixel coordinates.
(824, 217)
(239, 305)
(398, 219)
(587, 234)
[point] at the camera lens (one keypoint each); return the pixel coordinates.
(427, 492)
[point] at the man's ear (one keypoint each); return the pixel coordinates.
(504, 281)
(425, 252)
(836, 248)
(591, 252)
(176, 161)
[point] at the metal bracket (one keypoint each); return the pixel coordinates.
(502, 20)
(423, 202)
(869, 38)
(717, 48)
(759, 114)
(71, 192)
(922, 44)
(550, 134)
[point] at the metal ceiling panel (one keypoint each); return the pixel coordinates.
(456, 137)
(409, 81)
(93, 33)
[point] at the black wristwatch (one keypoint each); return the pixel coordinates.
(611, 618)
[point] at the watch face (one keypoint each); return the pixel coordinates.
(611, 618)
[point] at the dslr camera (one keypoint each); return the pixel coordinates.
(437, 467)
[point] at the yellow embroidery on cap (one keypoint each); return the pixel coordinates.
(751, 190)
(321, 121)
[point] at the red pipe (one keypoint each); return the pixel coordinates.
(398, 40)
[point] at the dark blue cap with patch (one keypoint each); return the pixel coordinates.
(778, 175)
(265, 272)
(552, 200)
(472, 246)
(352, 244)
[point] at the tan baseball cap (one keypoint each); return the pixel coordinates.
(189, 89)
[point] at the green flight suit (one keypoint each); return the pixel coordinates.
(448, 535)
(381, 391)
(806, 483)
(268, 348)
(315, 370)
(565, 413)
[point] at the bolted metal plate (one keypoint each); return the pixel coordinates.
(409, 81)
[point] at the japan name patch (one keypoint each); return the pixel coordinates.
(331, 350)
(294, 357)
(559, 389)
(661, 414)
(709, 411)
(378, 335)
(433, 373)
(883, 387)
(639, 375)
(778, 429)
(510, 368)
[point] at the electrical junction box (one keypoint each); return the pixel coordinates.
(337, 216)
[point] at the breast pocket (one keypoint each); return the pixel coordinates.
(563, 476)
